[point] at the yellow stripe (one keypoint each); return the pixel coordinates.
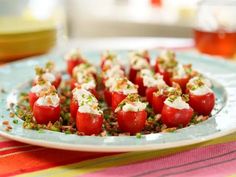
(3, 139)
(97, 164)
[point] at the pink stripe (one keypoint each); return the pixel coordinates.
(10, 143)
(180, 162)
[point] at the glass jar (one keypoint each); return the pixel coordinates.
(215, 29)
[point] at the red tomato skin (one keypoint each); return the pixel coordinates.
(130, 121)
(107, 96)
(181, 81)
(94, 92)
(72, 83)
(172, 117)
(57, 82)
(147, 57)
(141, 87)
(158, 103)
(202, 104)
(117, 97)
(89, 123)
(73, 63)
(166, 75)
(73, 108)
(149, 94)
(132, 74)
(45, 114)
(32, 99)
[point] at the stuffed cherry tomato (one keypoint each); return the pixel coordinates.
(73, 108)
(57, 81)
(47, 109)
(108, 96)
(141, 53)
(158, 102)
(35, 90)
(73, 59)
(84, 69)
(120, 89)
(202, 100)
(32, 99)
(176, 113)
(89, 116)
(181, 81)
(131, 121)
(202, 104)
(149, 94)
(165, 64)
(131, 114)
(181, 75)
(117, 97)
(88, 123)
(152, 82)
(141, 87)
(137, 64)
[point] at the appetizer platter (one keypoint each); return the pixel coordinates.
(117, 101)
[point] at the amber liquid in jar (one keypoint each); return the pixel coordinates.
(216, 43)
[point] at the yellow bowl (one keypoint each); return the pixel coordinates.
(29, 37)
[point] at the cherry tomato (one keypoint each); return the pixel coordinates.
(72, 83)
(158, 102)
(73, 108)
(32, 99)
(172, 117)
(73, 63)
(94, 92)
(147, 57)
(132, 74)
(89, 123)
(117, 97)
(57, 82)
(181, 81)
(202, 104)
(45, 114)
(141, 87)
(149, 94)
(130, 121)
(107, 96)
(166, 75)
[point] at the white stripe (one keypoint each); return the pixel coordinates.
(14, 153)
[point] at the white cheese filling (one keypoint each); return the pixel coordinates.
(138, 63)
(86, 81)
(126, 88)
(49, 100)
(135, 107)
(178, 103)
(206, 81)
(114, 71)
(202, 90)
(84, 68)
(166, 55)
(74, 54)
(151, 80)
(49, 77)
(38, 88)
(86, 101)
(86, 108)
(180, 72)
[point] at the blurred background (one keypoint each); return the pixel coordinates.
(32, 27)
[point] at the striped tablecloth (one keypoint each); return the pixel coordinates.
(212, 158)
